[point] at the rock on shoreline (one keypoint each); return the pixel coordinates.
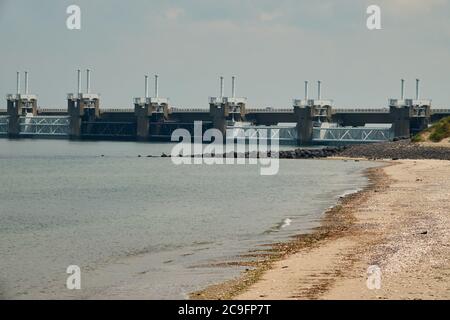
(403, 149)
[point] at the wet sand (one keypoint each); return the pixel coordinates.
(400, 223)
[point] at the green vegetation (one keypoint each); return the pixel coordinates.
(417, 138)
(436, 133)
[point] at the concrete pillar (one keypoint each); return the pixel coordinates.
(18, 106)
(421, 118)
(143, 115)
(75, 111)
(90, 113)
(219, 114)
(422, 123)
(27, 107)
(150, 109)
(323, 113)
(79, 110)
(159, 114)
(426, 120)
(401, 120)
(97, 108)
(34, 108)
(13, 109)
(305, 117)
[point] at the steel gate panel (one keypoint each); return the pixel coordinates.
(44, 125)
(347, 134)
(108, 129)
(4, 123)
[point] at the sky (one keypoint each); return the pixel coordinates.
(271, 46)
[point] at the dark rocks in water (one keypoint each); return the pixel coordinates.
(298, 153)
(400, 149)
(302, 153)
(139, 155)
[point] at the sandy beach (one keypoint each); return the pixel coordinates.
(400, 224)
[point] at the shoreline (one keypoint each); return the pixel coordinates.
(335, 222)
(398, 222)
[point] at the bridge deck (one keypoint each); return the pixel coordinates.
(45, 110)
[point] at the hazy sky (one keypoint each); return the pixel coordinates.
(271, 46)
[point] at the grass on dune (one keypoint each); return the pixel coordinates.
(436, 133)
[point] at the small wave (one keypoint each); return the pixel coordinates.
(348, 192)
(283, 224)
(286, 223)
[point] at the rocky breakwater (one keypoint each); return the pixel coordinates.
(299, 153)
(402, 149)
(305, 153)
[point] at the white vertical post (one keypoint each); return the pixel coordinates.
(79, 81)
(26, 82)
(402, 91)
(156, 86)
(146, 87)
(88, 81)
(306, 90)
(18, 82)
(319, 88)
(417, 89)
(233, 86)
(221, 87)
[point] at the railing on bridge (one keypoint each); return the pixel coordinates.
(177, 109)
(102, 110)
(248, 109)
(440, 111)
(4, 123)
(116, 110)
(44, 125)
(51, 110)
(284, 134)
(360, 110)
(269, 110)
(352, 134)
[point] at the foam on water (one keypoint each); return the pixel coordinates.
(286, 223)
